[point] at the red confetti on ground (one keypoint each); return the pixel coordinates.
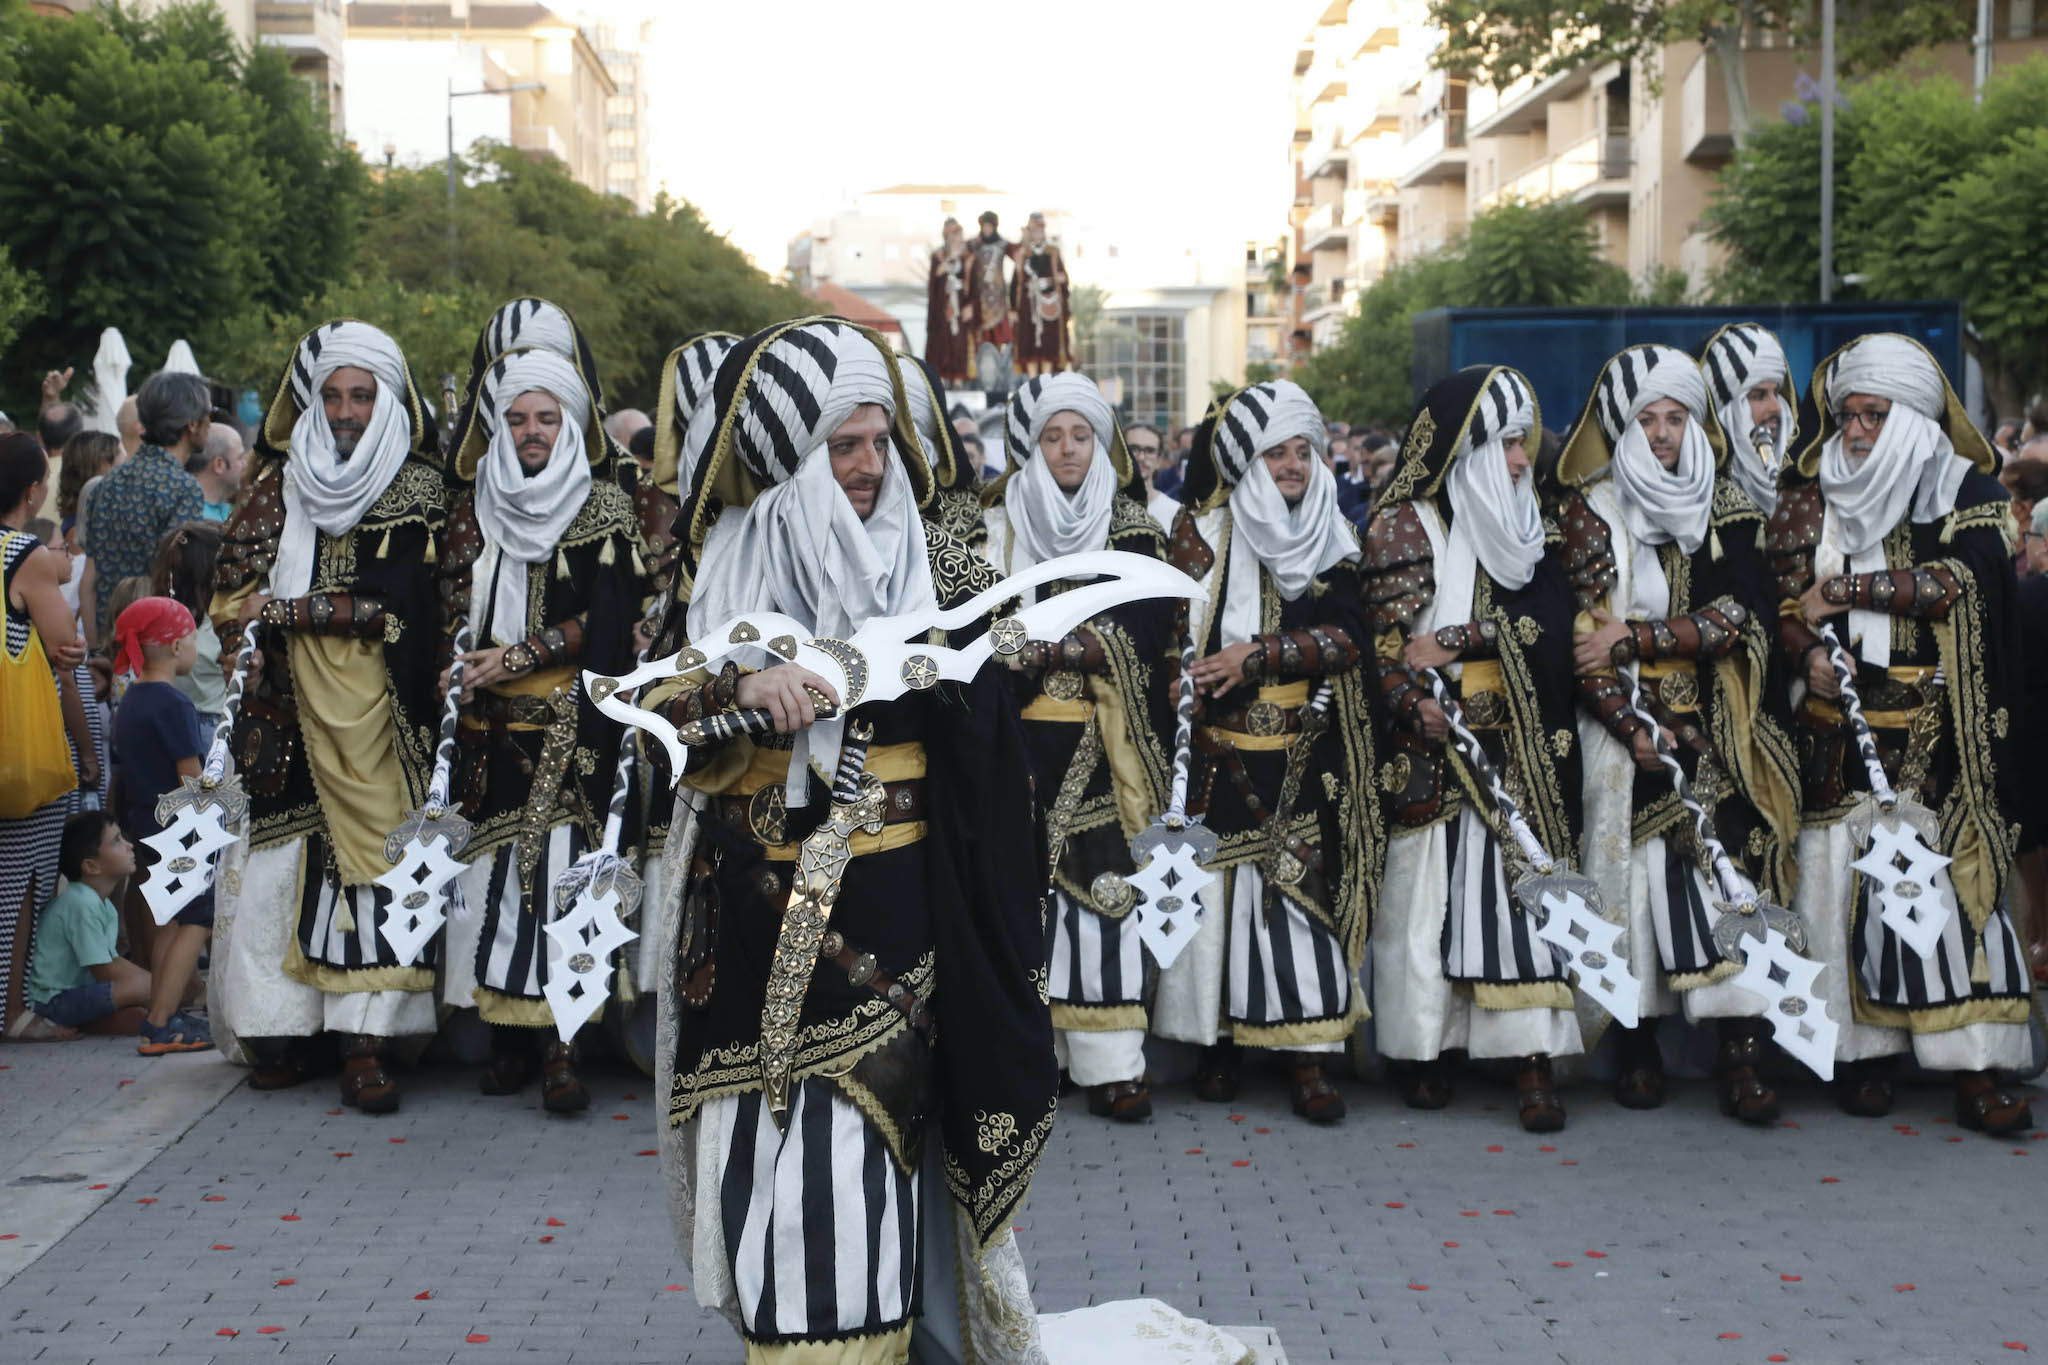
(1787, 1123)
(675, 1288)
(1418, 1287)
(397, 1139)
(119, 1084)
(1955, 1139)
(1450, 1244)
(1240, 1163)
(2038, 1135)
(1496, 1149)
(1503, 1213)
(1468, 1213)
(1404, 1144)
(622, 1116)
(1778, 1357)
(1237, 1118)
(145, 1201)
(1393, 1204)
(556, 1223)
(227, 1332)
(1944, 1120)
(424, 1296)
(282, 1283)
(2019, 1151)
(1546, 1149)
(1194, 1151)
(1729, 1336)
(95, 1187)
(222, 1246)
(1567, 1163)
(1597, 1255)
(213, 1198)
(1902, 1289)
(344, 1153)
(1560, 1264)
(289, 1218)
(629, 1097)
(1901, 1127)
(1262, 1130)
(334, 1111)
(477, 1338)
(268, 1331)
(1790, 1279)
(2015, 1346)
(1831, 1180)
(647, 1151)
(6, 1068)
(10, 1236)
(547, 1239)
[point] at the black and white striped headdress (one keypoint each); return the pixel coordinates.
(1638, 377)
(1739, 358)
(800, 387)
(1035, 402)
(1507, 403)
(1261, 417)
(530, 324)
(696, 366)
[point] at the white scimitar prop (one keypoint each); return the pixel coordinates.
(1894, 830)
(1172, 854)
(197, 814)
(424, 848)
(1565, 905)
(1768, 939)
(599, 890)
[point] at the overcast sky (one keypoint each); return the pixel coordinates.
(769, 114)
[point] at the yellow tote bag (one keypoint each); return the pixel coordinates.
(35, 757)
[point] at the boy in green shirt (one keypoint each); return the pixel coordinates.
(77, 974)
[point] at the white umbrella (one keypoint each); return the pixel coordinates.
(181, 360)
(109, 383)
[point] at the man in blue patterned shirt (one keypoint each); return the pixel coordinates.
(150, 493)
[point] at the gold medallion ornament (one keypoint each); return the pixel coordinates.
(690, 660)
(743, 634)
(1063, 685)
(1486, 709)
(920, 671)
(1112, 895)
(1007, 637)
(1265, 718)
(768, 815)
(1287, 868)
(783, 646)
(1681, 691)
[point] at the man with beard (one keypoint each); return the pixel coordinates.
(329, 560)
(1038, 304)
(1088, 706)
(1285, 769)
(949, 309)
(1661, 548)
(1457, 581)
(832, 1129)
(542, 564)
(989, 283)
(1751, 389)
(1894, 530)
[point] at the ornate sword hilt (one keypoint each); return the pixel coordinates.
(1736, 887)
(1176, 813)
(215, 769)
(725, 725)
(1852, 707)
(436, 804)
(1475, 758)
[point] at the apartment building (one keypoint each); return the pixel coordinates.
(624, 38)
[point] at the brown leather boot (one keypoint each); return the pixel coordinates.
(1216, 1073)
(1985, 1106)
(1864, 1088)
(1423, 1085)
(1743, 1093)
(561, 1089)
(279, 1063)
(1640, 1082)
(365, 1081)
(1124, 1101)
(512, 1062)
(1541, 1107)
(1315, 1099)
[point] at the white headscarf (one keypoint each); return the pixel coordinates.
(1740, 358)
(1295, 545)
(1912, 468)
(1495, 520)
(1659, 504)
(323, 492)
(1046, 521)
(523, 517)
(800, 548)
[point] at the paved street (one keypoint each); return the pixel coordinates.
(470, 1229)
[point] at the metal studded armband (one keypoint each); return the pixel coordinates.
(1925, 591)
(1081, 652)
(1602, 697)
(1473, 640)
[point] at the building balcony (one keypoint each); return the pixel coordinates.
(1376, 34)
(1380, 205)
(1324, 80)
(1595, 171)
(1328, 155)
(1704, 138)
(1525, 105)
(1325, 299)
(1436, 153)
(1326, 228)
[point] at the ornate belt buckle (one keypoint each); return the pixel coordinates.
(1486, 709)
(1680, 691)
(1112, 895)
(862, 971)
(1265, 719)
(1287, 869)
(768, 815)
(1063, 685)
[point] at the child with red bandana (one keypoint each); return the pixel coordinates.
(155, 737)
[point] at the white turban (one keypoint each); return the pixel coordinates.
(1495, 518)
(1912, 468)
(1046, 521)
(1659, 504)
(522, 516)
(1740, 358)
(326, 492)
(1294, 545)
(800, 548)
(530, 324)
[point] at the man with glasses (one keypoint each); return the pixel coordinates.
(1148, 449)
(1893, 529)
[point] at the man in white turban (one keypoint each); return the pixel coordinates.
(1093, 708)
(542, 564)
(1751, 389)
(1457, 582)
(1286, 749)
(329, 561)
(1895, 530)
(1662, 552)
(914, 1080)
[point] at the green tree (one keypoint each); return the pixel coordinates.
(21, 297)
(1499, 41)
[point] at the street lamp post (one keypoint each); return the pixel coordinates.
(1827, 150)
(454, 95)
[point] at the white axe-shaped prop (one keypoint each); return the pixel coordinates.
(197, 814)
(424, 848)
(891, 655)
